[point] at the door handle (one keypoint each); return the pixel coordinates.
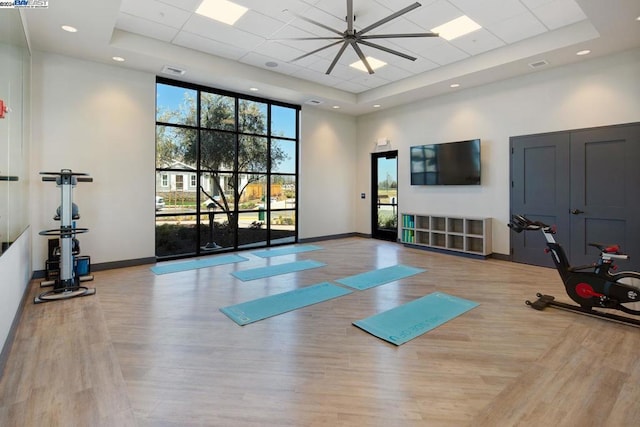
(576, 211)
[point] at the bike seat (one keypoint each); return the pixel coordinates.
(610, 249)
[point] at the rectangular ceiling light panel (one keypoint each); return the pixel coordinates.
(221, 10)
(456, 28)
(373, 62)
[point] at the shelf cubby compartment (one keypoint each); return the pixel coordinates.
(449, 233)
(439, 240)
(422, 222)
(474, 227)
(455, 242)
(422, 237)
(408, 236)
(474, 244)
(438, 223)
(455, 225)
(408, 221)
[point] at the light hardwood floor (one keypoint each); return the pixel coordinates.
(151, 350)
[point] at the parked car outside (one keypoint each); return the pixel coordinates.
(159, 203)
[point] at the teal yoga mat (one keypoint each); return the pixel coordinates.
(198, 263)
(379, 277)
(410, 320)
(275, 270)
(262, 308)
(268, 253)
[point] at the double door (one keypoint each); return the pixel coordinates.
(586, 182)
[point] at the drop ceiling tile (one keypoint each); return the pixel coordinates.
(224, 33)
(559, 13)
(351, 86)
(371, 80)
(260, 61)
(532, 4)
(317, 77)
(435, 50)
(274, 8)
(477, 42)
(279, 51)
(391, 72)
(420, 65)
(189, 5)
(259, 24)
(517, 28)
(290, 32)
(434, 14)
(203, 44)
(156, 11)
(322, 17)
(486, 12)
(136, 25)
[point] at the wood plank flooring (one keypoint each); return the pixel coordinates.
(151, 350)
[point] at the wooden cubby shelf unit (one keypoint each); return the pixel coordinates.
(465, 235)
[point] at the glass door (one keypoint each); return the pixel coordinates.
(384, 195)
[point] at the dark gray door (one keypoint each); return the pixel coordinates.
(586, 182)
(540, 191)
(605, 193)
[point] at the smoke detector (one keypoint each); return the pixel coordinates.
(313, 102)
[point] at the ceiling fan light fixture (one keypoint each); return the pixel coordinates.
(373, 62)
(221, 10)
(456, 28)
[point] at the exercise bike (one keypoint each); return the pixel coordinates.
(590, 286)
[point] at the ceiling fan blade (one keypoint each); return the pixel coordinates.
(390, 17)
(335, 60)
(319, 24)
(305, 38)
(398, 36)
(316, 51)
(349, 16)
(386, 49)
(362, 57)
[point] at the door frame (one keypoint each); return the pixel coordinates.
(377, 233)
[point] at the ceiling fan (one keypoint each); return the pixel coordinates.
(353, 38)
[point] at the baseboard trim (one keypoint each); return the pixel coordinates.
(332, 237)
(501, 257)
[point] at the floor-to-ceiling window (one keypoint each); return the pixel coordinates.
(226, 170)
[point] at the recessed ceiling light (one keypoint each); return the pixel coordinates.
(454, 85)
(254, 89)
(638, 18)
(456, 28)
(221, 10)
(335, 107)
(69, 29)
(376, 105)
(583, 52)
(118, 58)
(373, 62)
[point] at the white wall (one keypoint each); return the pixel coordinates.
(98, 119)
(597, 92)
(327, 174)
(15, 272)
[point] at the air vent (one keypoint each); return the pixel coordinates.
(538, 64)
(174, 71)
(313, 102)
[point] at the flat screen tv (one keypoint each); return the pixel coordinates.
(449, 163)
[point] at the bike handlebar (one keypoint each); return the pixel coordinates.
(520, 223)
